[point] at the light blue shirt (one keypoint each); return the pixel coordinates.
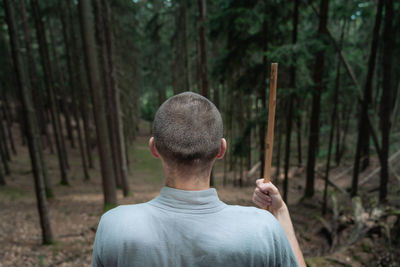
(190, 228)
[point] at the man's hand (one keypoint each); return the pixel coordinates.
(266, 195)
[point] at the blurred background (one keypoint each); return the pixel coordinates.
(81, 81)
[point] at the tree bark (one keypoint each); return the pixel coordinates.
(316, 100)
(298, 128)
(9, 128)
(34, 77)
(4, 138)
(290, 104)
(33, 135)
(181, 60)
(263, 98)
(44, 55)
(106, 80)
(278, 153)
(81, 80)
(386, 98)
(118, 126)
(362, 148)
(92, 67)
(205, 91)
(75, 85)
(5, 155)
(333, 123)
(59, 89)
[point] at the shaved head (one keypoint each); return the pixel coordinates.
(187, 130)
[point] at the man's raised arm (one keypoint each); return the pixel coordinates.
(266, 195)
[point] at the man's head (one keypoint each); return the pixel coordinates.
(187, 132)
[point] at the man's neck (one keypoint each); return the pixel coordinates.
(187, 182)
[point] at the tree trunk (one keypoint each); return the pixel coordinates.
(33, 135)
(118, 126)
(362, 148)
(248, 133)
(181, 61)
(263, 98)
(80, 141)
(333, 123)
(290, 105)
(241, 134)
(44, 54)
(205, 91)
(105, 69)
(278, 153)
(2, 180)
(368, 88)
(316, 100)
(81, 80)
(59, 89)
(33, 76)
(4, 153)
(9, 128)
(386, 98)
(4, 138)
(92, 67)
(298, 126)
(75, 85)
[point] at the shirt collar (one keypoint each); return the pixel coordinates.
(203, 201)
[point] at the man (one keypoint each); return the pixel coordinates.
(187, 224)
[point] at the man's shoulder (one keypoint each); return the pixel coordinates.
(124, 212)
(250, 212)
(254, 218)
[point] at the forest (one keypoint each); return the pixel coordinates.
(81, 80)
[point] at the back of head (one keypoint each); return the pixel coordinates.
(187, 130)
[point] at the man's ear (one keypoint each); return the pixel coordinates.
(222, 149)
(153, 149)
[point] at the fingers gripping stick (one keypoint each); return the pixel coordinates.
(271, 123)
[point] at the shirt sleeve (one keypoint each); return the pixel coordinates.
(96, 255)
(283, 253)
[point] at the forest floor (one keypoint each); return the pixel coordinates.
(367, 238)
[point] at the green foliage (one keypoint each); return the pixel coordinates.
(148, 109)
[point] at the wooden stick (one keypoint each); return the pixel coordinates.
(271, 122)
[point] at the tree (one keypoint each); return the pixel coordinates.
(290, 104)
(81, 83)
(49, 80)
(105, 77)
(74, 82)
(386, 98)
(362, 148)
(205, 91)
(30, 121)
(263, 94)
(34, 77)
(181, 63)
(92, 69)
(333, 122)
(316, 99)
(115, 110)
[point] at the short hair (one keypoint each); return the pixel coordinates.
(187, 130)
